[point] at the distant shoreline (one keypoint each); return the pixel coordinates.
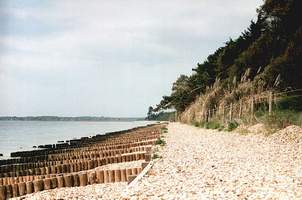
(57, 118)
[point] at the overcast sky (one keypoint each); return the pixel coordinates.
(106, 57)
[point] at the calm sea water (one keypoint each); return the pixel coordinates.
(22, 135)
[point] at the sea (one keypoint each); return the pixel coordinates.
(23, 135)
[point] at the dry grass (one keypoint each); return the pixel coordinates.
(221, 95)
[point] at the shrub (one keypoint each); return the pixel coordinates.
(160, 141)
(221, 128)
(155, 156)
(196, 124)
(212, 125)
(282, 118)
(164, 130)
(232, 125)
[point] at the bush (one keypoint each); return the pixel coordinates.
(221, 128)
(160, 141)
(155, 156)
(196, 124)
(164, 130)
(282, 118)
(212, 125)
(232, 125)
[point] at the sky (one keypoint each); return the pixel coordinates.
(106, 58)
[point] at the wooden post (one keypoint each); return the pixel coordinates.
(22, 188)
(68, 180)
(29, 187)
(100, 176)
(2, 192)
(123, 175)
(231, 111)
(240, 108)
(60, 181)
(213, 113)
(275, 99)
(15, 190)
(252, 107)
(92, 178)
(117, 175)
(9, 191)
(83, 178)
(207, 116)
(76, 180)
(223, 116)
(270, 103)
(219, 112)
(47, 184)
(53, 181)
(38, 185)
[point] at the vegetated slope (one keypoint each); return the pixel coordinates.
(267, 55)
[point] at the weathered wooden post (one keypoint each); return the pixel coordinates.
(223, 115)
(60, 181)
(231, 111)
(2, 192)
(275, 98)
(100, 176)
(213, 113)
(29, 187)
(92, 177)
(240, 108)
(270, 102)
(117, 175)
(38, 185)
(47, 184)
(22, 188)
(68, 180)
(9, 191)
(15, 190)
(252, 108)
(207, 116)
(76, 180)
(123, 175)
(83, 179)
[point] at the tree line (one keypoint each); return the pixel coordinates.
(269, 49)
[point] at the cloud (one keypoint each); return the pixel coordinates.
(107, 57)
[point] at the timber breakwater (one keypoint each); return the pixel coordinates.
(115, 157)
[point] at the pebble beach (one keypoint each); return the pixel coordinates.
(207, 164)
(198, 163)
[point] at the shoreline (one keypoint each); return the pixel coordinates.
(61, 142)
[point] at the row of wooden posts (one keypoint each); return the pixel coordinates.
(221, 114)
(75, 167)
(68, 180)
(19, 179)
(100, 159)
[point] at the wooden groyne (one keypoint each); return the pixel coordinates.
(78, 164)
